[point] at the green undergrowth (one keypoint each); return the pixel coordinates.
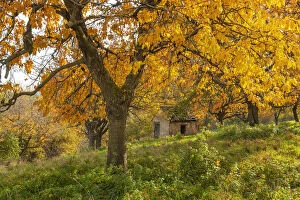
(234, 162)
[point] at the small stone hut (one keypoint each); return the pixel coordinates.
(166, 124)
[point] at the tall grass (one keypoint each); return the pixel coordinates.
(234, 162)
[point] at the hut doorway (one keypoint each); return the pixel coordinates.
(156, 129)
(182, 129)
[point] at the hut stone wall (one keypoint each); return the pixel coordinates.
(160, 126)
(183, 127)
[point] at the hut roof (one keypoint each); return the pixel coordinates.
(175, 115)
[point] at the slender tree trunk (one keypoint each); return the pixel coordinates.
(220, 117)
(91, 139)
(276, 115)
(102, 129)
(98, 141)
(295, 107)
(91, 132)
(252, 114)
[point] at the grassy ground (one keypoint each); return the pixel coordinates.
(235, 162)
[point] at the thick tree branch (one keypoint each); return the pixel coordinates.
(5, 106)
(92, 57)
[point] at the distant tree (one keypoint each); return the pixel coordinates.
(295, 107)
(36, 133)
(95, 129)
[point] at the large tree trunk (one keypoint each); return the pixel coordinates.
(117, 115)
(252, 114)
(117, 98)
(116, 153)
(295, 106)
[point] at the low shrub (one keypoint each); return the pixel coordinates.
(245, 132)
(9, 146)
(200, 165)
(268, 178)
